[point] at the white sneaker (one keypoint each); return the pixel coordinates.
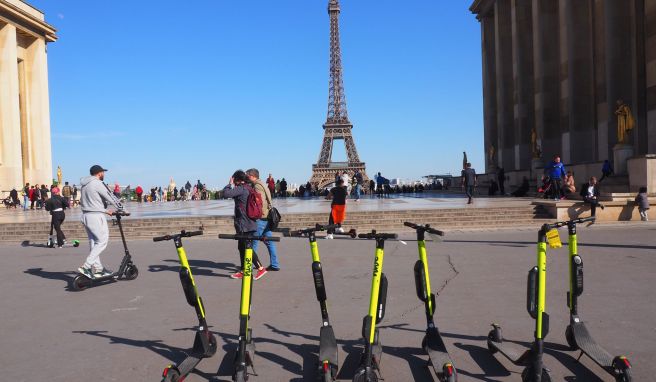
(339, 230)
(329, 236)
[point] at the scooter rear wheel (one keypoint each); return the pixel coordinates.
(80, 282)
(625, 376)
(172, 375)
(131, 272)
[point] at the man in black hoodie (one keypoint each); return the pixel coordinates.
(56, 205)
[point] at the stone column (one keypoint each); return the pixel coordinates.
(581, 103)
(522, 43)
(650, 58)
(11, 173)
(504, 74)
(489, 86)
(36, 65)
(618, 65)
(547, 70)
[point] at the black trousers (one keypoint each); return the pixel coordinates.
(57, 221)
(593, 204)
(556, 188)
(242, 245)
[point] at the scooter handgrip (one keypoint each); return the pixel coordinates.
(272, 238)
(226, 236)
(583, 220)
(193, 233)
(162, 238)
(411, 225)
(320, 227)
(435, 231)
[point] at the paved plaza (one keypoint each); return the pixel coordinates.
(131, 330)
(284, 205)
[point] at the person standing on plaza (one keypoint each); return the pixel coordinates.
(139, 192)
(338, 196)
(271, 184)
(66, 192)
(74, 193)
(188, 188)
(501, 178)
(372, 187)
(26, 195)
(33, 192)
(642, 201)
(239, 189)
(556, 172)
(606, 170)
(358, 179)
(263, 228)
(117, 190)
(590, 193)
(469, 181)
(56, 206)
(94, 197)
(44, 196)
(283, 188)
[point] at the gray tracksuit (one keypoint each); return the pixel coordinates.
(93, 200)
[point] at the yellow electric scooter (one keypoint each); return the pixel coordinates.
(246, 347)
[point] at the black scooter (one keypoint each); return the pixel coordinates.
(204, 341)
(577, 334)
(432, 343)
(127, 270)
(328, 352)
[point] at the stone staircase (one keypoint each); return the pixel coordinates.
(445, 219)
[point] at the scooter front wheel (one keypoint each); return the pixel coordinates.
(448, 373)
(527, 375)
(569, 336)
(131, 272)
(80, 282)
(240, 376)
(362, 375)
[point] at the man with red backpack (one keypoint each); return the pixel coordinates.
(248, 208)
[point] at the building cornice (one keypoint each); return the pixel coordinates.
(482, 8)
(23, 20)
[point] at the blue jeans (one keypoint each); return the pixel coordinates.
(26, 201)
(358, 191)
(262, 230)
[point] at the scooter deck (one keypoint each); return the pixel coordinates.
(28, 243)
(589, 347)
(511, 353)
(436, 350)
(189, 363)
(328, 345)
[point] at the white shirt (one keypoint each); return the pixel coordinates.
(590, 191)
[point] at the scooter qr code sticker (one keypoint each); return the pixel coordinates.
(553, 238)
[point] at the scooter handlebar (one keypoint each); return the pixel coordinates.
(584, 220)
(425, 228)
(248, 237)
(375, 235)
(182, 233)
(573, 221)
(120, 213)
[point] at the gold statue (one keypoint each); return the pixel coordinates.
(490, 153)
(625, 121)
(59, 176)
(171, 185)
(464, 160)
(535, 148)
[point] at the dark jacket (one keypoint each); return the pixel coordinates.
(56, 202)
(240, 195)
(584, 190)
(642, 201)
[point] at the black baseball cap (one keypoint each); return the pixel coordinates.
(96, 169)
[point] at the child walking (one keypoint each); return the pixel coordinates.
(643, 203)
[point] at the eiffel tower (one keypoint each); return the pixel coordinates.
(337, 126)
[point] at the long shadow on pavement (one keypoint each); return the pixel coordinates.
(171, 353)
(66, 276)
(198, 267)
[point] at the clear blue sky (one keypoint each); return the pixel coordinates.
(154, 89)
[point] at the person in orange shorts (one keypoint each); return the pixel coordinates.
(338, 195)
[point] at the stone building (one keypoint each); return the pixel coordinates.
(553, 71)
(25, 151)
